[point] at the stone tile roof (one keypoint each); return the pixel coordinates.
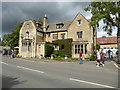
(107, 40)
(52, 27)
(39, 27)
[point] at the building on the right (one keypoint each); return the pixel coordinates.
(107, 43)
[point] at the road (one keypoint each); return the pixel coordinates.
(18, 73)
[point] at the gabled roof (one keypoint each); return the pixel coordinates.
(52, 27)
(107, 40)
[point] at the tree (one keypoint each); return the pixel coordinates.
(48, 50)
(97, 46)
(109, 12)
(0, 41)
(12, 39)
(40, 20)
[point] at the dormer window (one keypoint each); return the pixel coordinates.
(79, 22)
(58, 26)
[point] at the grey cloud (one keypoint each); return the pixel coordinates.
(16, 12)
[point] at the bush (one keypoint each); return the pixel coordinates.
(55, 53)
(92, 58)
(48, 50)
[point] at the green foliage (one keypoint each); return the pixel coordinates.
(109, 12)
(55, 53)
(0, 42)
(12, 39)
(92, 57)
(40, 20)
(48, 50)
(65, 47)
(97, 46)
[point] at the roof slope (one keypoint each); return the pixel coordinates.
(107, 40)
(52, 26)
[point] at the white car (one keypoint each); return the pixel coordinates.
(113, 49)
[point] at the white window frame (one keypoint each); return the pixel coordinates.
(63, 36)
(79, 35)
(53, 37)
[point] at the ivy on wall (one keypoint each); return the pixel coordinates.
(65, 47)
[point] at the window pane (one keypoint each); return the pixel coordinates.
(79, 34)
(63, 36)
(82, 48)
(75, 51)
(55, 36)
(78, 50)
(78, 46)
(75, 46)
(79, 22)
(85, 48)
(58, 26)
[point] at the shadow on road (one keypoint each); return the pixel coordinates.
(8, 82)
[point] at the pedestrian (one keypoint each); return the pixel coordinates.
(111, 55)
(12, 55)
(109, 51)
(98, 59)
(102, 55)
(81, 57)
(15, 53)
(3, 52)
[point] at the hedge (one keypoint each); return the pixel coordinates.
(48, 50)
(65, 47)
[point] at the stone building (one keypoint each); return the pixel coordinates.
(34, 35)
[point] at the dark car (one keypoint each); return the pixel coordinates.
(116, 52)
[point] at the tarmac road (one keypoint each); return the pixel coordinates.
(21, 73)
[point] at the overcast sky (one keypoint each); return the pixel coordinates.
(17, 12)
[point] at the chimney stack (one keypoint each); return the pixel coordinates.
(45, 23)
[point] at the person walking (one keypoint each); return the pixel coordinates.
(12, 55)
(102, 55)
(98, 59)
(81, 57)
(109, 51)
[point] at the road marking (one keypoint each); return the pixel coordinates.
(115, 65)
(30, 69)
(4, 63)
(91, 83)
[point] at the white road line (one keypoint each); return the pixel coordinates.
(4, 63)
(91, 83)
(115, 65)
(30, 69)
